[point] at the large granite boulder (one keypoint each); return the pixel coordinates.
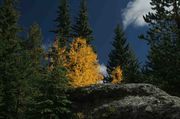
(124, 101)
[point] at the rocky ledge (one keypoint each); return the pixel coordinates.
(124, 101)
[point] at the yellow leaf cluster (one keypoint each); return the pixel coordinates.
(83, 66)
(116, 75)
(62, 59)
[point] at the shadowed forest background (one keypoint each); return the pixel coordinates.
(35, 80)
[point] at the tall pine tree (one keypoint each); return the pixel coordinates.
(13, 64)
(82, 28)
(35, 50)
(52, 101)
(63, 23)
(132, 71)
(33, 44)
(163, 38)
(34, 38)
(122, 56)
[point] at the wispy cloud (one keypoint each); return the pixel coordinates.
(134, 11)
(103, 70)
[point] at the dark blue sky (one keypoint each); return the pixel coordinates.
(104, 15)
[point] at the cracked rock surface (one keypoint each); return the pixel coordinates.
(125, 101)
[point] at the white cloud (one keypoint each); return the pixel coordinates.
(103, 70)
(134, 11)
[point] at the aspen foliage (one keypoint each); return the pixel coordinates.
(83, 67)
(116, 75)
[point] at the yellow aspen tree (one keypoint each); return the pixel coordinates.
(116, 75)
(83, 67)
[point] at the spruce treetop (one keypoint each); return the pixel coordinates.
(121, 55)
(63, 23)
(82, 27)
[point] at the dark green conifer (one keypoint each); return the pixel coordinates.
(82, 26)
(52, 100)
(163, 38)
(63, 23)
(13, 64)
(33, 45)
(122, 56)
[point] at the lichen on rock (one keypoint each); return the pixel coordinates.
(125, 101)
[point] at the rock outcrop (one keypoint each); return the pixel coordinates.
(125, 101)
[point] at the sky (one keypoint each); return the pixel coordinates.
(104, 15)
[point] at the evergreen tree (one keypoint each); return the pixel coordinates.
(163, 38)
(132, 71)
(122, 56)
(52, 101)
(63, 23)
(34, 40)
(35, 50)
(8, 47)
(33, 44)
(13, 64)
(82, 28)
